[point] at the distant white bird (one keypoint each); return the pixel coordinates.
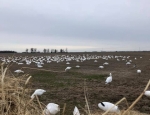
(109, 79)
(38, 92)
(19, 71)
(77, 66)
(67, 63)
(147, 93)
(20, 63)
(106, 63)
(101, 67)
(107, 105)
(52, 109)
(95, 60)
(118, 60)
(76, 111)
(128, 63)
(67, 68)
(39, 65)
(138, 71)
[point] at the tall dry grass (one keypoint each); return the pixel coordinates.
(15, 97)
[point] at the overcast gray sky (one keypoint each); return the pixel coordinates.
(79, 25)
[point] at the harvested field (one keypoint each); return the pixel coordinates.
(68, 87)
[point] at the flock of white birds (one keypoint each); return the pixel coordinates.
(39, 61)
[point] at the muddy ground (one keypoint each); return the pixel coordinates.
(68, 87)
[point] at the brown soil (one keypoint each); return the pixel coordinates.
(67, 87)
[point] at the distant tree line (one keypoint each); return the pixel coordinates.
(34, 50)
(8, 51)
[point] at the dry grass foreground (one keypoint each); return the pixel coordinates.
(15, 97)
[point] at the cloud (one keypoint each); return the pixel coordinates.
(76, 23)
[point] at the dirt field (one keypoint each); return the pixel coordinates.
(68, 87)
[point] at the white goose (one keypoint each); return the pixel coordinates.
(76, 111)
(147, 93)
(38, 92)
(109, 79)
(52, 109)
(107, 105)
(67, 68)
(19, 71)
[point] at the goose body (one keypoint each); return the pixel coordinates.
(101, 67)
(109, 79)
(76, 111)
(77, 66)
(67, 68)
(19, 71)
(38, 92)
(147, 93)
(52, 109)
(107, 105)
(138, 71)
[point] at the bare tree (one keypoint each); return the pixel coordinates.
(66, 50)
(27, 50)
(47, 50)
(55, 51)
(44, 50)
(61, 50)
(34, 50)
(31, 50)
(52, 50)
